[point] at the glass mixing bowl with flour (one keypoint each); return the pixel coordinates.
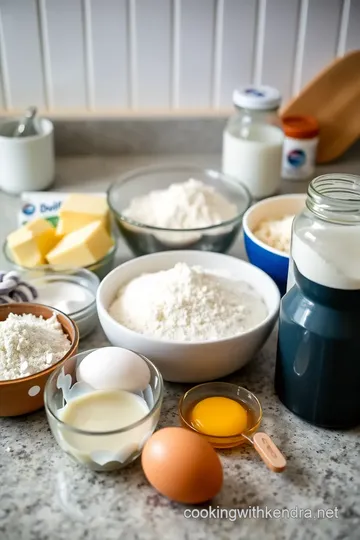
(178, 207)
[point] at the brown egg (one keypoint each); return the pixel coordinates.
(182, 465)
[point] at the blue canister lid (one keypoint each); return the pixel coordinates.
(257, 97)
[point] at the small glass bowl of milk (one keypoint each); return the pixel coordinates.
(115, 424)
(72, 291)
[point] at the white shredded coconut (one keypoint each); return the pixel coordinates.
(276, 233)
(188, 205)
(187, 304)
(29, 344)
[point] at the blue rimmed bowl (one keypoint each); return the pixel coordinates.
(274, 262)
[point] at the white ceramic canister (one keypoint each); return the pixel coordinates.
(300, 146)
(253, 140)
(26, 163)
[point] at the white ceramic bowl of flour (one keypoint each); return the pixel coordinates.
(195, 361)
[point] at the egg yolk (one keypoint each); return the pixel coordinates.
(219, 416)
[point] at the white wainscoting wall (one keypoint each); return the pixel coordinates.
(120, 57)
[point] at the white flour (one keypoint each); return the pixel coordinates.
(187, 205)
(276, 233)
(29, 344)
(187, 304)
(329, 256)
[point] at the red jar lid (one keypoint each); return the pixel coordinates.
(300, 127)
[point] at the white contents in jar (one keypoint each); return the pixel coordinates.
(276, 233)
(65, 296)
(332, 258)
(188, 304)
(29, 344)
(188, 205)
(253, 156)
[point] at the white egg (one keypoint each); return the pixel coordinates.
(113, 368)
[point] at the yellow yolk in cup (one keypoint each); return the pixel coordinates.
(219, 416)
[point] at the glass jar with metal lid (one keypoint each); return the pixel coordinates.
(318, 367)
(253, 140)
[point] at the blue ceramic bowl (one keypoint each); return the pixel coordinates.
(274, 262)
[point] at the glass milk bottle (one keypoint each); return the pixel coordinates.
(253, 141)
(318, 358)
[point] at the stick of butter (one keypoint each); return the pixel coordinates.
(78, 210)
(31, 243)
(82, 247)
(45, 204)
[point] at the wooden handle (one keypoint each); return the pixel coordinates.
(269, 452)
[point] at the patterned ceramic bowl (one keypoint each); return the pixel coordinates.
(25, 395)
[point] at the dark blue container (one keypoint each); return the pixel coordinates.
(318, 357)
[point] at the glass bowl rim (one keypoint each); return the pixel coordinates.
(49, 370)
(130, 175)
(62, 271)
(73, 429)
(218, 437)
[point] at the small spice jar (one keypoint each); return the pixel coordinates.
(300, 145)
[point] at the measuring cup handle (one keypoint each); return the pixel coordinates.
(269, 452)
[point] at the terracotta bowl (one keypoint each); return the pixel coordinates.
(25, 395)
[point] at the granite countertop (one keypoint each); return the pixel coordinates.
(45, 496)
